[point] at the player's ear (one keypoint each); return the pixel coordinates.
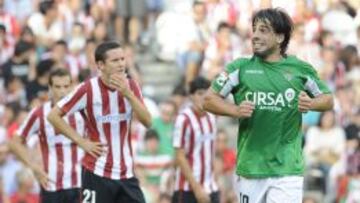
(100, 64)
(280, 38)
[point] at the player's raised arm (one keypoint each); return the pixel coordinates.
(131, 91)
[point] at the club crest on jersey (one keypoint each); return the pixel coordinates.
(288, 76)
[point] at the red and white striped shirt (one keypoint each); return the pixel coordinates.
(108, 117)
(61, 157)
(195, 134)
(12, 26)
(75, 64)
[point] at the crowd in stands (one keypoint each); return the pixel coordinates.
(199, 37)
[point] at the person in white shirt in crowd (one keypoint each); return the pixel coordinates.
(45, 24)
(324, 146)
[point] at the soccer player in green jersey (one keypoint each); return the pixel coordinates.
(271, 90)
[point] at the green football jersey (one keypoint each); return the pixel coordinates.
(269, 142)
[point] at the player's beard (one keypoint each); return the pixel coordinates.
(265, 53)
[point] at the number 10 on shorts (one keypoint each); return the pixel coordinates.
(89, 196)
(244, 198)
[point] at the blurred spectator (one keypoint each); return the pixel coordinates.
(25, 194)
(38, 88)
(305, 13)
(86, 18)
(22, 64)
(76, 58)
(57, 53)
(352, 129)
(222, 48)
(68, 14)
(105, 7)
(310, 119)
(328, 66)
(327, 39)
(225, 161)
(219, 11)
(349, 56)
(164, 125)
(179, 96)
(309, 200)
(21, 10)
(7, 115)
(132, 66)
(303, 48)
(8, 168)
(15, 92)
(194, 42)
(27, 35)
(151, 164)
(6, 45)
(225, 153)
(45, 24)
(155, 7)
(164, 198)
(339, 22)
(9, 21)
(84, 75)
(130, 15)
(20, 115)
(3, 197)
(324, 146)
(349, 184)
(100, 32)
(89, 53)
(77, 38)
(344, 104)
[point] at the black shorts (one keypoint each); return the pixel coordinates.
(106, 190)
(189, 197)
(61, 196)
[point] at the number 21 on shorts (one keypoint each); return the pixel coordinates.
(244, 198)
(89, 196)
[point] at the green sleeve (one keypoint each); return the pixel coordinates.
(313, 84)
(226, 81)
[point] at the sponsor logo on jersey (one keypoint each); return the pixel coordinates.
(110, 118)
(205, 137)
(271, 100)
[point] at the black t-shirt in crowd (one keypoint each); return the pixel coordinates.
(11, 68)
(35, 89)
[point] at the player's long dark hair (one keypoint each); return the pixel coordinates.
(280, 21)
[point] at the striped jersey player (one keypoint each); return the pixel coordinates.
(194, 137)
(60, 176)
(109, 102)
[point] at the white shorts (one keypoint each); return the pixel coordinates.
(270, 190)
